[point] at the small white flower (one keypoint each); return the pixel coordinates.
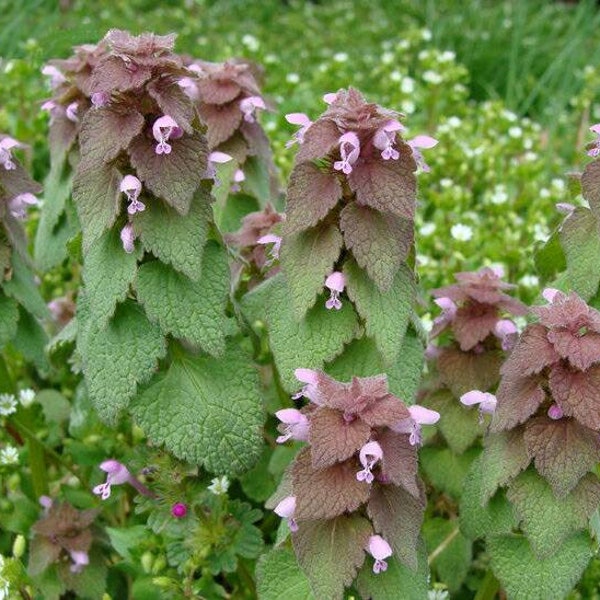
(292, 78)
(250, 42)
(529, 281)
(432, 77)
(387, 58)
(8, 404)
(540, 233)
(544, 193)
(499, 195)
(508, 115)
(408, 106)
(427, 322)
(9, 455)
(515, 132)
(558, 184)
(395, 76)
(447, 56)
(461, 232)
(446, 182)
(26, 397)
(455, 122)
(219, 485)
(437, 595)
(340, 57)
(427, 229)
(408, 85)
(426, 35)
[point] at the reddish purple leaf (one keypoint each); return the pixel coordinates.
(532, 353)
(114, 73)
(466, 371)
(473, 322)
(173, 101)
(518, 398)
(399, 462)
(222, 121)
(319, 140)
(581, 349)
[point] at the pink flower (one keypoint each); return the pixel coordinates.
(6, 146)
(286, 509)
(131, 186)
(310, 378)
(379, 549)
(369, 455)
(117, 474)
(164, 129)
(506, 331)
(71, 112)
(486, 401)
(100, 99)
(56, 77)
(335, 282)
(18, 205)
(421, 141)
(385, 138)
(128, 238)
(330, 98)
(555, 412)
(448, 311)
(564, 208)
(432, 352)
(349, 152)
(550, 294)
(595, 150)
(179, 510)
(216, 158)
(238, 177)
(271, 238)
(249, 105)
(419, 415)
(190, 88)
(80, 560)
(52, 109)
(298, 119)
(295, 425)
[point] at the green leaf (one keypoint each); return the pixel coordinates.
(550, 258)
(174, 238)
(387, 584)
(9, 317)
(525, 577)
(97, 198)
(206, 411)
(307, 258)
(117, 356)
(447, 470)
(319, 337)
(580, 238)
(477, 520)
(258, 179)
(194, 311)
(330, 552)
(258, 483)
(30, 340)
(280, 578)
(362, 358)
(454, 560)
(545, 520)
(90, 584)
(51, 246)
(22, 287)
(590, 185)
(124, 539)
(386, 313)
(108, 271)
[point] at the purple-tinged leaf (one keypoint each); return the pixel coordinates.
(466, 371)
(518, 398)
(222, 122)
(590, 186)
(399, 463)
(532, 353)
(113, 73)
(319, 140)
(473, 322)
(172, 101)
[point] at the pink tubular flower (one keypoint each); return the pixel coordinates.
(128, 238)
(379, 549)
(214, 159)
(6, 146)
(421, 141)
(117, 474)
(448, 311)
(310, 379)
(506, 331)
(330, 97)
(595, 150)
(71, 112)
(238, 177)
(56, 77)
(190, 88)
(18, 205)
(295, 425)
(298, 119)
(564, 208)
(549, 294)
(249, 105)
(131, 186)
(369, 455)
(385, 138)
(555, 412)
(486, 401)
(80, 560)
(179, 510)
(100, 99)
(271, 238)
(419, 415)
(335, 282)
(286, 509)
(349, 152)
(164, 129)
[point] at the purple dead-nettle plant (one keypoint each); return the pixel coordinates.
(357, 476)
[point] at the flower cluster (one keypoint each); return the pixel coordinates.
(361, 458)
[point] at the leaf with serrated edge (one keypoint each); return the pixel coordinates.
(590, 186)
(446, 470)
(545, 520)
(118, 356)
(386, 313)
(331, 552)
(399, 461)
(378, 241)
(30, 340)
(206, 411)
(174, 177)
(22, 287)
(306, 260)
(548, 579)
(319, 337)
(194, 311)
(107, 273)
(279, 577)
(518, 399)
(9, 317)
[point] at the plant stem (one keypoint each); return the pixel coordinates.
(489, 587)
(445, 543)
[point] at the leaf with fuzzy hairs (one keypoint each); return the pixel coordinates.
(563, 451)
(397, 516)
(532, 353)
(174, 177)
(399, 462)
(445, 470)
(173, 101)
(473, 323)
(222, 121)
(577, 393)
(466, 371)
(9, 317)
(331, 552)
(328, 492)
(113, 73)
(278, 576)
(307, 259)
(379, 242)
(590, 186)
(388, 186)
(582, 351)
(311, 194)
(518, 399)
(319, 140)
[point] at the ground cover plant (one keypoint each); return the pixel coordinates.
(314, 319)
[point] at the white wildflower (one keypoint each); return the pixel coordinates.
(9, 455)
(461, 232)
(26, 397)
(219, 485)
(8, 404)
(408, 85)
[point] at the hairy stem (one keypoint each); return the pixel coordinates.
(444, 544)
